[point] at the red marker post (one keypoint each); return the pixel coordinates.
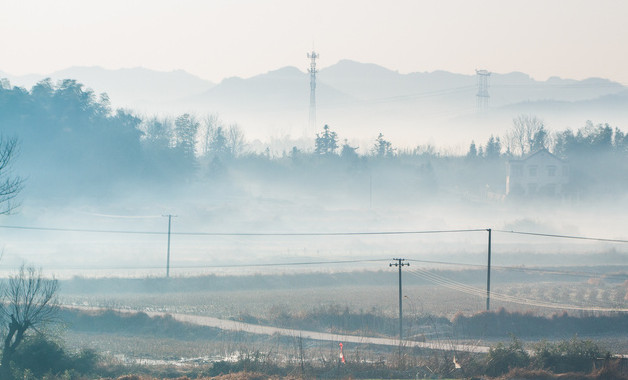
(342, 356)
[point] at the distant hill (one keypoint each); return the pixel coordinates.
(133, 87)
(359, 100)
(369, 81)
(281, 89)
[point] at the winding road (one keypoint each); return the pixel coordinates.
(229, 325)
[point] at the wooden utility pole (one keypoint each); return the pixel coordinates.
(399, 263)
(488, 273)
(170, 216)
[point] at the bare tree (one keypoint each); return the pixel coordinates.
(10, 185)
(521, 136)
(235, 140)
(29, 302)
(208, 128)
(185, 133)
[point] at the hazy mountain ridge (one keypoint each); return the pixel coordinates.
(127, 87)
(277, 89)
(360, 100)
(346, 81)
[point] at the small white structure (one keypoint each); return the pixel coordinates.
(539, 174)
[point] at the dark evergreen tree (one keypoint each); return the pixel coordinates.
(539, 140)
(348, 152)
(383, 147)
(472, 153)
(218, 145)
(326, 143)
(493, 148)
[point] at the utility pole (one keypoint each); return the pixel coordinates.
(488, 273)
(170, 216)
(399, 263)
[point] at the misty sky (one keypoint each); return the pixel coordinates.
(223, 38)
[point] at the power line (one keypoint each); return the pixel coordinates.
(564, 236)
(458, 286)
(86, 230)
(297, 263)
(120, 216)
(342, 233)
(328, 233)
(398, 98)
(321, 262)
(241, 233)
(524, 269)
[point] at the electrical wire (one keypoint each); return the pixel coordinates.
(121, 216)
(218, 266)
(458, 286)
(526, 269)
(345, 233)
(563, 236)
(241, 233)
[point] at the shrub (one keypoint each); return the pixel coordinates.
(502, 358)
(40, 356)
(573, 355)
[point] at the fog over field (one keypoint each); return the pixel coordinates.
(113, 226)
(246, 189)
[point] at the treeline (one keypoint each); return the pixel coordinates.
(73, 142)
(69, 137)
(335, 319)
(502, 323)
(135, 324)
(218, 283)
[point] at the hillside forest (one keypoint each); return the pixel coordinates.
(73, 143)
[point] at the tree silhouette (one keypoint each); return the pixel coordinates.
(493, 148)
(186, 129)
(521, 136)
(10, 185)
(326, 143)
(29, 302)
(473, 152)
(383, 147)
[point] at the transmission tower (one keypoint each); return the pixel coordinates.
(482, 95)
(312, 70)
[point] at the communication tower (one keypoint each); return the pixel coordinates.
(482, 96)
(312, 70)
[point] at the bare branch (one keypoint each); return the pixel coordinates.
(10, 185)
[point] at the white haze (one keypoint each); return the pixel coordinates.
(264, 207)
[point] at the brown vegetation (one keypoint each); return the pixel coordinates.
(230, 376)
(610, 371)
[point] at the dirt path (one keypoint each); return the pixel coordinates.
(229, 325)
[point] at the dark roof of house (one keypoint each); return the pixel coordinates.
(530, 155)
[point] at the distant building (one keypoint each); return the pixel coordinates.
(539, 174)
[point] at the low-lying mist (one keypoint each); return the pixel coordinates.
(99, 183)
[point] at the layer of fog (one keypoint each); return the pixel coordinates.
(272, 207)
(258, 195)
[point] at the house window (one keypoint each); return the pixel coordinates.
(565, 171)
(551, 171)
(532, 171)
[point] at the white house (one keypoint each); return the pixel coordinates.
(539, 174)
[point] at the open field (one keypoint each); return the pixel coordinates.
(368, 305)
